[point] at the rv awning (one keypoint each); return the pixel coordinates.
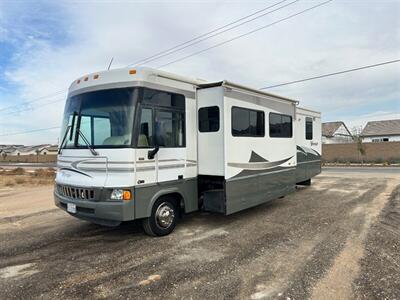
(236, 86)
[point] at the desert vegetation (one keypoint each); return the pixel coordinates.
(21, 177)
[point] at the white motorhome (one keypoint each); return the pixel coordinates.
(146, 144)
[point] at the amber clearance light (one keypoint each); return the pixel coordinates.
(127, 195)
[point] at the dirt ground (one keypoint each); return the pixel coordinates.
(337, 239)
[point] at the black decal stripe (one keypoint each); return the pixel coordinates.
(258, 165)
(76, 171)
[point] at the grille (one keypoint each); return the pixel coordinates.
(75, 192)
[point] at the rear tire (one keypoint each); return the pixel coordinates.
(162, 220)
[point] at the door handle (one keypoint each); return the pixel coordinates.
(140, 181)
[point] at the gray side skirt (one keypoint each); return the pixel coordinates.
(146, 195)
(250, 191)
(307, 169)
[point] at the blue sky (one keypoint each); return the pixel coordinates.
(45, 45)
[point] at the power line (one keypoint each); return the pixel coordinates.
(207, 36)
(272, 86)
(34, 100)
(203, 35)
(244, 34)
(164, 51)
(30, 131)
(153, 57)
(332, 74)
(33, 108)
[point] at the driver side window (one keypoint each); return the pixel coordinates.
(145, 138)
(162, 120)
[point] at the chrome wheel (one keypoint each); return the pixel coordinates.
(164, 215)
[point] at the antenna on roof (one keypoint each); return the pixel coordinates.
(109, 66)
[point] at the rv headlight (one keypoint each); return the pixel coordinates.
(120, 194)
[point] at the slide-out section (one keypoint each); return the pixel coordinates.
(308, 144)
(211, 147)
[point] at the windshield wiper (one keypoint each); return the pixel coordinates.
(63, 140)
(94, 152)
(69, 128)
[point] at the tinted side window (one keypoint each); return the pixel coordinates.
(309, 128)
(160, 98)
(162, 119)
(280, 125)
(209, 119)
(169, 129)
(247, 122)
(162, 128)
(145, 138)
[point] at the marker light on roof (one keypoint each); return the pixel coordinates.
(78, 81)
(132, 72)
(86, 78)
(96, 76)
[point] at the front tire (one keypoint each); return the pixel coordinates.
(162, 220)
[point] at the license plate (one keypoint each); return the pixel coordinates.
(71, 207)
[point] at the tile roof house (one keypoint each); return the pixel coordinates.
(335, 133)
(381, 131)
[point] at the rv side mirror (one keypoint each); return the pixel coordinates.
(152, 153)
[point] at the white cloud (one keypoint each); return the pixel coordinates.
(337, 36)
(362, 120)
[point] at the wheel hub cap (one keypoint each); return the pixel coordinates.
(165, 215)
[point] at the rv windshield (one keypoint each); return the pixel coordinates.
(104, 117)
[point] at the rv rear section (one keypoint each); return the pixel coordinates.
(142, 144)
(247, 152)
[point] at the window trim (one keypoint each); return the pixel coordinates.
(219, 118)
(248, 109)
(269, 126)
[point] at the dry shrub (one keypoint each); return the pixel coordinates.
(16, 171)
(48, 173)
(9, 183)
(20, 180)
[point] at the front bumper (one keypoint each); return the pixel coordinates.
(109, 213)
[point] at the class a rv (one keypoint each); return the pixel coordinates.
(143, 144)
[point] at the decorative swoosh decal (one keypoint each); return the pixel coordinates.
(76, 171)
(258, 165)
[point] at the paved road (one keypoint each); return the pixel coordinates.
(337, 239)
(367, 170)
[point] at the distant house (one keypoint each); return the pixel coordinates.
(6, 150)
(20, 150)
(49, 150)
(381, 131)
(335, 133)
